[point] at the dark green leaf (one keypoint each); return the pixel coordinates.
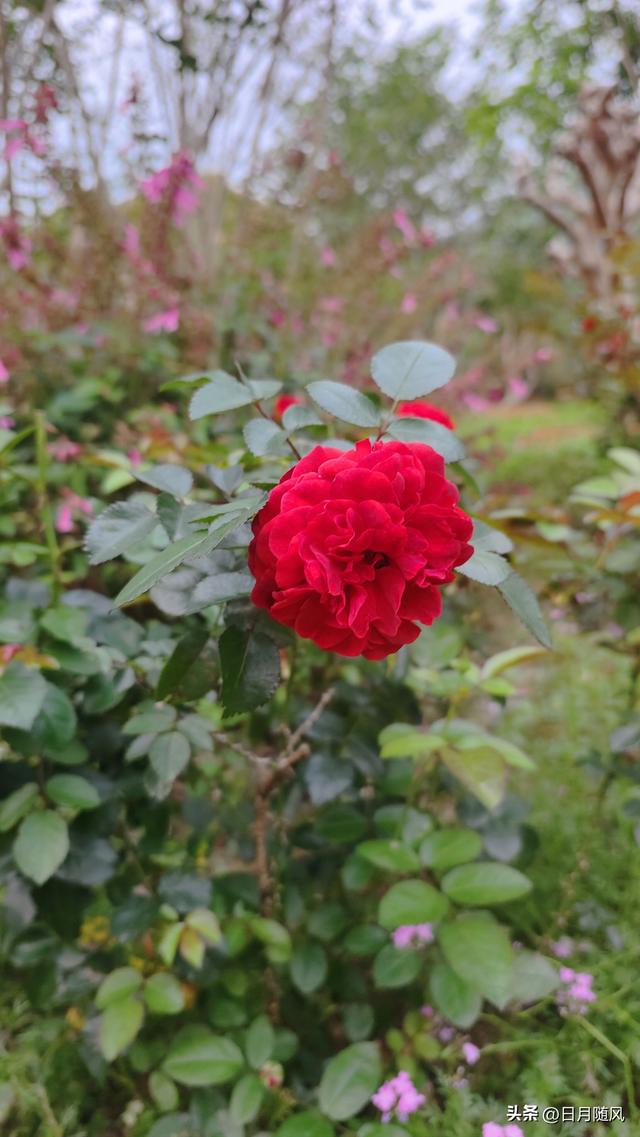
(485, 883)
(395, 967)
(411, 902)
(182, 658)
(478, 950)
(454, 997)
(22, 693)
(119, 527)
(308, 967)
(41, 845)
(199, 1058)
(250, 664)
(522, 601)
(349, 1080)
(72, 791)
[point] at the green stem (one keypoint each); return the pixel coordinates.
(44, 505)
(617, 1053)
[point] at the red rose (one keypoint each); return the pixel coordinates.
(425, 410)
(352, 547)
(282, 404)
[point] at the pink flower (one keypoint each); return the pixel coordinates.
(277, 317)
(327, 257)
(446, 1034)
(7, 422)
(476, 403)
(131, 241)
(64, 450)
(412, 935)
(67, 512)
(563, 947)
(491, 1129)
(403, 222)
(134, 456)
(471, 1053)
(17, 246)
(427, 1011)
(7, 652)
(577, 993)
(543, 355)
(398, 1096)
(409, 303)
(519, 389)
(4, 374)
(330, 304)
(166, 321)
(485, 324)
(176, 186)
(13, 146)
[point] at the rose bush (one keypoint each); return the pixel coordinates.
(352, 548)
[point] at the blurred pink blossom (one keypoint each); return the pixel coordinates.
(63, 449)
(176, 186)
(543, 355)
(519, 389)
(69, 509)
(577, 992)
(403, 222)
(327, 257)
(166, 321)
(17, 245)
(7, 422)
(485, 324)
(4, 374)
(398, 1096)
(134, 456)
(471, 1053)
(563, 948)
(412, 935)
(409, 303)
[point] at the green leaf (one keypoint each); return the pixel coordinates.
(199, 1058)
(169, 754)
(308, 966)
(534, 977)
(119, 527)
(222, 587)
(306, 1124)
(478, 950)
(344, 403)
(14, 807)
(153, 721)
(263, 437)
(485, 883)
(411, 368)
(411, 902)
(64, 623)
(260, 1042)
(182, 658)
(223, 394)
(480, 769)
(401, 741)
(163, 994)
(246, 1099)
(389, 855)
(119, 984)
(22, 693)
(55, 724)
(489, 540)
(167, 478)
(119, 1026)
(72, 791)
(164, 1093)
(349, 1080)
(195, 544)
(454, 997)
(264, 388)
(486, 568)
(434, 434)
(296, 418)
(522, 601)
(206, 924)
(274, 936)
(395, 967)
(41, 845)
(448, 847)
(250, 664)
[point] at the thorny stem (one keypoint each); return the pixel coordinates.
(44, 505)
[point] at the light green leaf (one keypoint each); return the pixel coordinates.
(486, 568)
(119, 1026)
(434, 434)
(411, 902)
(169, 754)
(411, 368)
(448, 847)
(41, 845)
(199, 1058)
(485, 883)
(349, 1080)
(167, 477)
(296, 418)
(308, 966)
(119, 984)
(22, 693)
(344, 403)
(260, 1042)
(454, 998)
(524, 604)
(401, 741)
(394, 967)
(263, 437)
(534, 977)
(478, 950)
(391, 856)
(163, 994)
(14, 807)
(119, 527)
(223, 394)
(488, 540)
(305, 1124)
(246, 1099)
(479, 768)
(72, 791)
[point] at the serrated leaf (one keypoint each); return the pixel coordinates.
(222, 587)
(22, 693)
(41, 845)
(411, 368)
(349, 1080)
(194, 545)
(409, 429)
(344, 403)
(486, 568)
(523, 602)
(223, 394)
(182, 658)
(72, 791)
(489, 540)
(119, 1026)
(167, 477)
(250, 664)
(263, 437)
(119, 527)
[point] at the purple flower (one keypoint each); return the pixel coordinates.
(471, 1053)
(577, 993)
(562, 948)
(398, 1096)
